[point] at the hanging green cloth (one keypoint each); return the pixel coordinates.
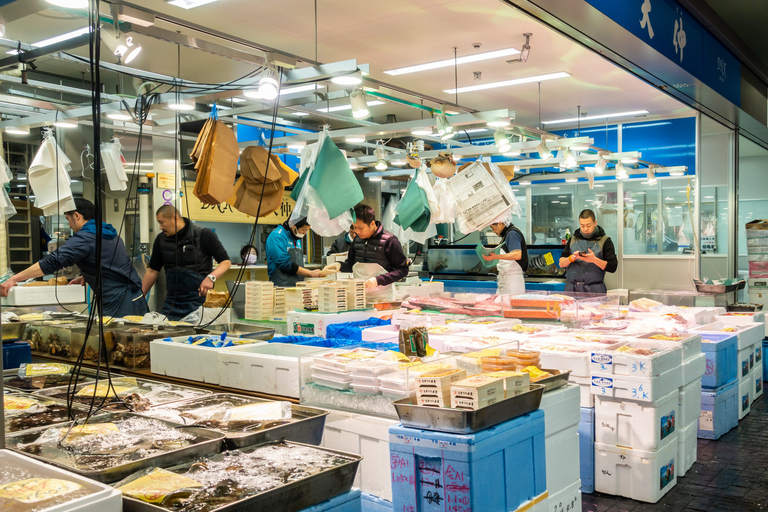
(413, 211)
(334, 181)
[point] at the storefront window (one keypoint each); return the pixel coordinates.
(676, 216)
(553, 213)
(714, 220)
(641, 218)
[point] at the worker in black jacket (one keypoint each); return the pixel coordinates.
(121, 286)
(587, 256)
(376, 256)
(344, 242)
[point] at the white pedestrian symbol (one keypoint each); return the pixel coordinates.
(679, 38)
(646, 20)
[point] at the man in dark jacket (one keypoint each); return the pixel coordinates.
(186, 251)
(587, 256)
(376, 255)
(121, 284)
(344, 242)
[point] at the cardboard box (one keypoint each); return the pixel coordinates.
(434, 401)
(470, 404)
(515, 383)
(440, 378)
(478, 388)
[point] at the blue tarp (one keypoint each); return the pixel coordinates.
(353, 330)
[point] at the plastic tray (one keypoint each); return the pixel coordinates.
(557, 380)
(458, 421)
(325, 373)
(333, 384)
(365, 390)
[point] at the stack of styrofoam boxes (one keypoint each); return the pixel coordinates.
(561, 438)
(749, 337)
(332, 298)
(355, 293)
(757, 364)
(720, 386)
(259, 300)
(694, 364)
(280, 307)
(636, 409)
(757, 255)
(500, 468)
(300, 298)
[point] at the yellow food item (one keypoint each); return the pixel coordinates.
(89, 430)
(33, 490)
(729, 329)
(535, 373)
(60, 281)
(38, 369)
(13, 403)
(133, 318)
(441, 372)
(156, 485)
(664, 337)
(524, 328)
(121, 387)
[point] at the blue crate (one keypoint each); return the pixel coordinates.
(587, 449)
(348, 502)
(765, 361)
(16, 353)
(720, 410)
(721, 353)
(494, 470)
(373, 503)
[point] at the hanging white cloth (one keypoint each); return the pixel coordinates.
(111, 154)
(49, 178)
(6, 206)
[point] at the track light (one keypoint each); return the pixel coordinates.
(444, 128)
(601, 163)
(381, 163)
(359, 105)
(181, 105)
(499, 122)
(651, 176)
(355, 78)
(268, 86)
(502, 141)
(126, 48)
(17, 130)
(544, 152)
(621, 172)
(354, 139)
(569, 160)
(422, 132)
(525, 51)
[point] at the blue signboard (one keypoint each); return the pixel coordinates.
(672, 31)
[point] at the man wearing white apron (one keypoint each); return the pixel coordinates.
(513, 260)
(376, 256)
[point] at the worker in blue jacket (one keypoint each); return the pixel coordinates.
(121, 285)
(285, 259)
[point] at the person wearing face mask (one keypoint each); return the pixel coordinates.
(285, 258)
(249, 255)
(587, 256)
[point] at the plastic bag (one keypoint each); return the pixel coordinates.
(388, 221)
(111, 153)
(445, 203)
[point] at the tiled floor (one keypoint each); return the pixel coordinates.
(731, 474)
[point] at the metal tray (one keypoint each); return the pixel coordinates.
(291, 497)
(208, 442)
(457, 421)
(719, 288)
(77, 410)
(307, 427)
(86, 375)
(13, 331)
(247, 331)
(557, 380)
(744, 308)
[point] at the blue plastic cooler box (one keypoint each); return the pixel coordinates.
(719, 411)
(587, 449)
(494, 470)
(373, 503)
(721, 353)
(16, 353)
(350, 501)
(765, 361)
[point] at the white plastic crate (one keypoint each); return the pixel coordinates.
(587, 398)
(746, 391)
(562, 454)
(693, 369)
(314, 324)
(686, 448)
(747, 334)
(626, 363)
(636, 388)
(381, 333)
(566, 500)
(757, 379)
(268, 368)
(176, 358)
(103, 499)
(638, 425)
(635, 474)
(689, 403)
(42, 295)
(367, 436)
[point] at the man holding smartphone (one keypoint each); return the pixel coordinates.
(587, 256)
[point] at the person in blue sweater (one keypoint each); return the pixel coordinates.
(120, 285)
(285, 259)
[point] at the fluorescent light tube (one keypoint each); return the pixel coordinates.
(301, 88)
(348, 107)
(62, 37)
(450, 62)
(593, 118)
(189, 4)
(506, 83)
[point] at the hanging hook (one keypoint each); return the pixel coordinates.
(215, 112)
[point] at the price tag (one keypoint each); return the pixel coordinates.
(549, 259)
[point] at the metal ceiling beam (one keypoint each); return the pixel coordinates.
(56, 87)
(29, 55)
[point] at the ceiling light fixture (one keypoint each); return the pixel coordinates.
(569, 160)
(601, 163)
(651, 174)
(594, 118)
(58, 39)
(499, 122)
(544, 152)
(348, 106)
(119, 116)
(189, 4)
(126, 48)
(69, 4)
(629, 160)
(444, 128)
(422, 132)
(181, 105)
(399, 163)
(17, 130)
(381, 163)
(354, 139)
(358, 104)
(526, 50)
(502, 141)
(450, 62)
(507, 83)
(301, 88)
(355, 78)
(268, 86)
(374, 178)
(299, 114)
(621, 172)
(66, 123)
(298, 145)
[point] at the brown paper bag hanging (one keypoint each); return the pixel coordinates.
(223, 168)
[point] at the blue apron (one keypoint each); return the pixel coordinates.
(183, 292)
(282, 279)
(119, 301)
(582, 276)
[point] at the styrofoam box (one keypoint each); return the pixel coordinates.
(576, 362)
(691, 344)
(103, 499)
(623, 363)
(721, 355)
(635, 474)
(192, 362)
(314, 324)
(561, 440)
(741, 318)
(587, 449)
(758, 353)
(268, 368)
(757, 379)
(637, 425)
(587, 398)
(380, 333)
(367, 436)
(742, 363)
(704, 315)
(747, 334)
(689, 403)
(350, 501)
(719, 410)
(686, 448)
(746, 389)
(568, 499)
(561, 410)
(636, 388)
(41, 295)
(693, 369)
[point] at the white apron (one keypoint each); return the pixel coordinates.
(510, 280)
(379, 293)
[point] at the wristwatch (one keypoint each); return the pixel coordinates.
(212, 278)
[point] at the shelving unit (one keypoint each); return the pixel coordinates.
(23, 233)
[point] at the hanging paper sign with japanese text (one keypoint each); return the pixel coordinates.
(224, 212)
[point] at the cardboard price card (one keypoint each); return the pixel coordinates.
(33, 490)
(156, 485)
